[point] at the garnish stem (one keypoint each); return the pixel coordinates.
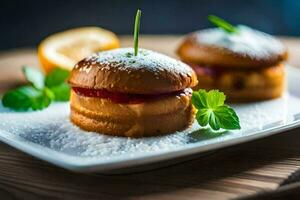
(221, 23)
(136, 31)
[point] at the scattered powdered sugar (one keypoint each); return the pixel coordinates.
(124, 59)
(247, 41)
(51, 128)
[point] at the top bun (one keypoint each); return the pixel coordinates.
(248, 48)
(119, 70)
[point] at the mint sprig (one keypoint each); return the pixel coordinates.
(34, 76)
(136, 31)
(221, 23)
(40, 92)
(56, 82)
(26, 97)
(56, 77)
(61, 92)
(212, 111)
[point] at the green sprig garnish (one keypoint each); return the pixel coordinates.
(212, 111)
(137, 31)
(34, 77)
(221, 23)
(40, 92)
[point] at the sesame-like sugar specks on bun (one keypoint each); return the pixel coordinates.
(247, 48)
(119, 70)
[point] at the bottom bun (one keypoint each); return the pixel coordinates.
(254, 95)
(151, 118)
(245, 86)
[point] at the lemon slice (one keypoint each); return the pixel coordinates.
(66, 48)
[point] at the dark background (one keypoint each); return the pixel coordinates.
(25, 23)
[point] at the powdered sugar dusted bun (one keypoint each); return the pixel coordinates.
(119, 70)
(248, 48)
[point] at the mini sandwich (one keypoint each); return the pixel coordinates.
(246, 64)
(117, 93)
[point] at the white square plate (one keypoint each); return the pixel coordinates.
(49, 135)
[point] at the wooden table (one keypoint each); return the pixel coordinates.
(255, 170)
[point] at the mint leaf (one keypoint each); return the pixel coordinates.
(18, 99)
(213, 112)
(56, 83)
(215, 98)
(49, 93)
(41, 100)
(34, 76)
(214, 121)
(202, 116)
(61, 92)
(26, 97)
(199, 99)
(227, 118)
(221, 23)
(56, 77)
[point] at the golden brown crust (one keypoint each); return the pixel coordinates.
(152, 118)
(195, 50)
(120, 71)
(249, 85)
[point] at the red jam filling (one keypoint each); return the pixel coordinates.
(217, 71)
(118, 97)
(205, 70)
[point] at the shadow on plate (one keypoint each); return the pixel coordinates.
(205, 134)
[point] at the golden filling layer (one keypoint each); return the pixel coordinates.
(240, 79)
(164, 115)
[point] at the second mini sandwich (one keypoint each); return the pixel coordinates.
(246, 64)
